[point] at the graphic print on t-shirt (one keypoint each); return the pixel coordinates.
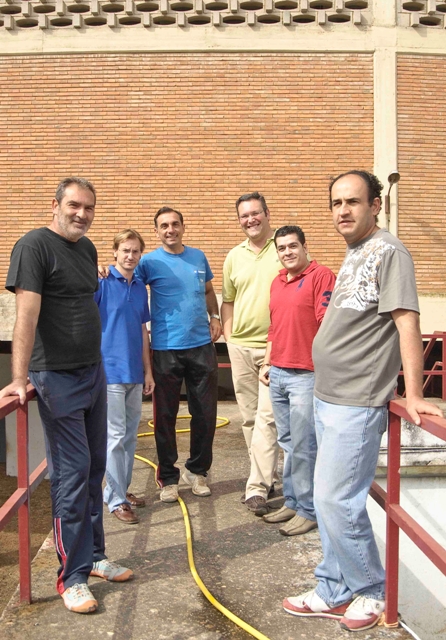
(357, 284)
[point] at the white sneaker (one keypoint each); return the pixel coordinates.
(309, 604)
(169, 493)
(78, 598)
(198, 483)
(363, 613)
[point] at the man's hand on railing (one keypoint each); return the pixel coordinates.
(417, 405)
(15, 388)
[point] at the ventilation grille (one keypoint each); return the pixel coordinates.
(111, 14)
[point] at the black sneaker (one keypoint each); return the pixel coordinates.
(257, 504)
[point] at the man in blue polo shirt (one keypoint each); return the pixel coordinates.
(124, 311)
(181, 297)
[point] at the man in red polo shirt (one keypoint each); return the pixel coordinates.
(299, 298)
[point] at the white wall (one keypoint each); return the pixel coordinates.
(433, 314)
(422, 587)
(36, 441)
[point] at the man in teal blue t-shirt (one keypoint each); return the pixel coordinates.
(181, 297)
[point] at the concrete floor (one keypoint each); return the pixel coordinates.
(245, 563)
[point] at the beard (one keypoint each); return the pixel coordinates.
(71, 232)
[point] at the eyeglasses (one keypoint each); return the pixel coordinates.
(251, 214)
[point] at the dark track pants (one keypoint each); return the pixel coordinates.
(73, 409)
(198, 368)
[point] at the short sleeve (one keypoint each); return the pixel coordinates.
(228, 289)
(322, 293)
(142, 270)
(209, 274)
(26, 270)
(146, 311)
(397, 285)
(98, 292)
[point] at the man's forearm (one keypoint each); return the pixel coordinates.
(411, 347)
(269, 348)
(22, 346)
(211, 302)
(28, 309)
(227, 314)
(412, 359)
(146, 350)
(266, 364)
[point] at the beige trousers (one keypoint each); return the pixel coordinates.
(258, 425)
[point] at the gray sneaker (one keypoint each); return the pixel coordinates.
(271, 494)
(198, 483)
(257, 504)
(169, 493)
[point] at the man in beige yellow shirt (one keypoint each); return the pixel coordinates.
(248, 271)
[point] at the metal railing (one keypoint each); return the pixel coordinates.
(397, 517)
(438, 368)
(26, 484)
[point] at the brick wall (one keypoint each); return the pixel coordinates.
(190, 130)
(422, 162)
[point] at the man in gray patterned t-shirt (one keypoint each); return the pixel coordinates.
(372, 322)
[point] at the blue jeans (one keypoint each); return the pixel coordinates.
(291, 392)
(348, 447)
(124, 405)
(73, 409)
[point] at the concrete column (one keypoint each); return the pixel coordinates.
(385, 119)
(385, 124)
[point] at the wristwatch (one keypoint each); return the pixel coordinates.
(216, 316)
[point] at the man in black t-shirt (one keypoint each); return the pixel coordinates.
(56, 341)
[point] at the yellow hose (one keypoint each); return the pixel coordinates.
(190, 555)
(223, 423)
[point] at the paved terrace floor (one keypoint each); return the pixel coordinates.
(245, 563)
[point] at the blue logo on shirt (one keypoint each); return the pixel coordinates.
(326, 296)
